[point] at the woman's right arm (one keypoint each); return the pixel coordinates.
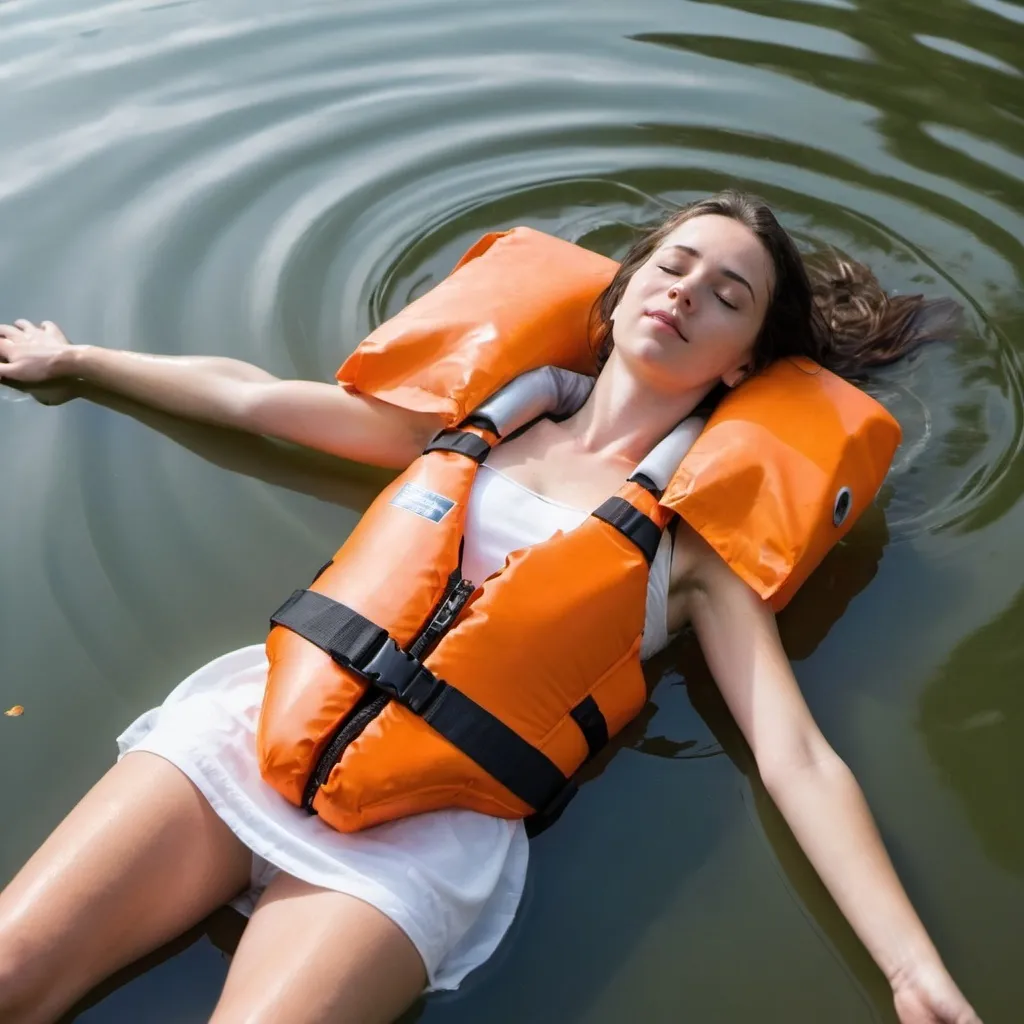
(225, 392)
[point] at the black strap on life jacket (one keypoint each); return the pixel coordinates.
(464, 442)
(630, 521)
(355, 642)
(358, 644)
(647, 484)
(478, 419)
(587, 715)
(543, 819)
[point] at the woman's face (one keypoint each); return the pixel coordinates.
(690, 315)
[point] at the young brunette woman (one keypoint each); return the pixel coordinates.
(351, 927)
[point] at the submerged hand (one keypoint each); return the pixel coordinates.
(31, 354)
(931, 997)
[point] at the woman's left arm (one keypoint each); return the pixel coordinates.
(816, 792)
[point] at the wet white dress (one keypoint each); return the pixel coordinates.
(451, 880)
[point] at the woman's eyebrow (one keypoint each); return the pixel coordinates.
(723, 270)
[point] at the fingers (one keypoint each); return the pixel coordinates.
(10, 335)
(54, 332)
(15, 331)
(20, 330)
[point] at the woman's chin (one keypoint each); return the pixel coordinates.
(650, 353)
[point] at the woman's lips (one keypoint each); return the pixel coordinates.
(667, 320)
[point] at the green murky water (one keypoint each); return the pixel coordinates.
(268, 182)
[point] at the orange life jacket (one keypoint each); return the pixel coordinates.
(395, 687)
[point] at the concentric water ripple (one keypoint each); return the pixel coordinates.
(307, 175)
(270, 184)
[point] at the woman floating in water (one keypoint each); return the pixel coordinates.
(351, 925)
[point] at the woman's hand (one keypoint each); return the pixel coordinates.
(217, 390)
(813, 788)
(31, 354)
(930, 997)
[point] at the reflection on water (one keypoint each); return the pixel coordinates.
(270, 182)
(972, 719)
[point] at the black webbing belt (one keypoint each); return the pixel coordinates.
(647, 484)
(630, 521)
(587, 715)
(462, 441)
(356, 643)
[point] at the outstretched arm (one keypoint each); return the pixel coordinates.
(225, 392)
(815, 791)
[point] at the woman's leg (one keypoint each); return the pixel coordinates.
(139, 860)
(311, 955)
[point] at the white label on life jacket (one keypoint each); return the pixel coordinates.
(414, 498)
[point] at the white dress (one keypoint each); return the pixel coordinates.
(452, 879)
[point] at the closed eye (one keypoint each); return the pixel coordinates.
(678, 273)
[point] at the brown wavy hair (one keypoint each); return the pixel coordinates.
(830, 308)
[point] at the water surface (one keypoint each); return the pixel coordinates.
(270, 181)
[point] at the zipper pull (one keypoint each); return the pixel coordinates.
(449, 609)
(442, 619)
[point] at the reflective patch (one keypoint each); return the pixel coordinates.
(414, 498)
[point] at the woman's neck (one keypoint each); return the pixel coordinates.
(624, 419)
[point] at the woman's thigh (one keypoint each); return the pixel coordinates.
(140, 859)
(312, 956)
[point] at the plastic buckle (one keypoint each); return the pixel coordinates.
(402, 676)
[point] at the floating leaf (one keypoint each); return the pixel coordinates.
(15, 712)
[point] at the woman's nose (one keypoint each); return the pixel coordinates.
(681, 293)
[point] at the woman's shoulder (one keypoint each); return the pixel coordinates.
(697, 573)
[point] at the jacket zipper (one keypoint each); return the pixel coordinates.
(456, 592)
(452, 601)
(367, 708)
